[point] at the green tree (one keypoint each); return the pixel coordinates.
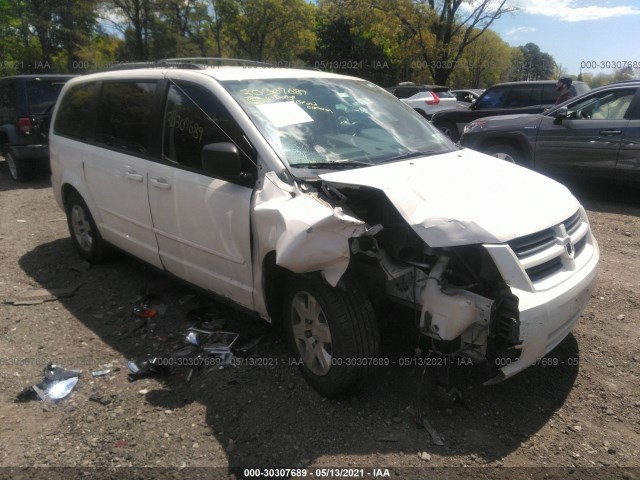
(133, 21)
(533, 64)
(485, 62)
(103, 51)
(269, 29)
(344, 47)
(439, 31)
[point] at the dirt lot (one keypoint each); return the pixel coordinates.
(579, 411)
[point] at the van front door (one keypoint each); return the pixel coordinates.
(202, 224)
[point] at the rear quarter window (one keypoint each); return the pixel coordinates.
(405, 92)
(75, 113)
(549, 94)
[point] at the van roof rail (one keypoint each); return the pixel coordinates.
(192, 63)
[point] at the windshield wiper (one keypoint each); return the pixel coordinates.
(332, 165)
(406, 156)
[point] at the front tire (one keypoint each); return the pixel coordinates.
(83, 230)
(506, 153)
(332, 332)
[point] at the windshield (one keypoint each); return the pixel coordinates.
(335, 123)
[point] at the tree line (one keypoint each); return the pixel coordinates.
(447, 42)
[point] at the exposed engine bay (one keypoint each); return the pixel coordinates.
(464, 306)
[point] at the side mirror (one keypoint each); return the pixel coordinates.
(222, 160)
(561, 114)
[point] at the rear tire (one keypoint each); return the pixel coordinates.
(83, 229)
(17, 169)
(506, 153)
(332, 332)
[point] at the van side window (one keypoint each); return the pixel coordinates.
(125, 115)
(76, 111)
(194, 118)
(493, 98)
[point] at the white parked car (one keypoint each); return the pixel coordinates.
(304, 196)
(425, 99)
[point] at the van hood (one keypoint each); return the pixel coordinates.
(465, 197)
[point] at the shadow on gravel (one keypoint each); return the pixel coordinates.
(606, 197)
(264, 415)
(7, 183)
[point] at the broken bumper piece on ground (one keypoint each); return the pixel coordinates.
(202, 348)
(58, 383)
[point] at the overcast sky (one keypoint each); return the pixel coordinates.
(576, 31)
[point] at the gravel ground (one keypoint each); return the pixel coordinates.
(576, 415)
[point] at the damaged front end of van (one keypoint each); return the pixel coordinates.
(491, 276)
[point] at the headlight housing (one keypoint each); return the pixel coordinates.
(474, 126)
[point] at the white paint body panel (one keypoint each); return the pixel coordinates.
(203, 232)
(466, 197)
(118, 186)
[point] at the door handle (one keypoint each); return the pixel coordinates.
(608, 133)
(160, 183)
(135, 176)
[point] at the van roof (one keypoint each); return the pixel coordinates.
(220, 73)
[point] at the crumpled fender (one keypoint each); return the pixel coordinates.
(306, 233)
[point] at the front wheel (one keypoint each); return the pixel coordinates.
(506, 153)
(84, 233)
(332, 332)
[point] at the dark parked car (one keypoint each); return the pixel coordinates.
(425, 99)
(26, 104)
(596, 135)
(502, 99)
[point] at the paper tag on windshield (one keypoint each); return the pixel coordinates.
(283, 114)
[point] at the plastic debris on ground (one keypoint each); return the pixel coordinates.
(200, 348)
(151, 366)
(57, 384)
(207, 319)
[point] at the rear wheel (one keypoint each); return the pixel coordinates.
(84, 233)
(449, 129)
(506, 153)
(332, 331)
(18, 170)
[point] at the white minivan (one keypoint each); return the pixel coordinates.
(312, 199)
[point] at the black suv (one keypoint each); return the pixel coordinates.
(26, 104)
(503, 99)
(595, 135)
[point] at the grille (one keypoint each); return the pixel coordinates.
(532, 244)
(542, 271)
(540, 253)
